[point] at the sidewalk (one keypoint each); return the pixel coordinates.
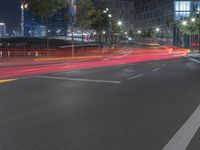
(194, 55)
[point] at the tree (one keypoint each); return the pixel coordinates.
(99, 22)
(117, 31)
(46, 9)
(190, 26)
(153, 34)
(83, 9)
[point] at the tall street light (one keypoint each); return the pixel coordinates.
(157, 32)
(72, 24)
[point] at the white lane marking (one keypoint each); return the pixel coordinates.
(78, 79)
(183, 137)
(134, 77)
(197, 61)
(29, 77)
(156, 69)
(128, 69)
(66, 72)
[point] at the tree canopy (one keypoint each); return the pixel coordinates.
(83, 9)
(46, 8)
(190, 25)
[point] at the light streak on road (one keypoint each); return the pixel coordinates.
(38, 68)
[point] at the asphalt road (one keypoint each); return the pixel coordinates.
(126, 107)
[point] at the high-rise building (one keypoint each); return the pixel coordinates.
(145, 15)
(32, 26)
(152, 14)
(2, 30)
(124, 12)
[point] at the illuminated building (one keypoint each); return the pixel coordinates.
(146, 15)
(2, 30)
(124, 11)
(32, 26)
(150, 14)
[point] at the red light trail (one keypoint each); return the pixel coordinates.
(16, 68)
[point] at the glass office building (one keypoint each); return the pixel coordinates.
(32, 26)
(185, 8)
(124, 12)
(151, 14)
(2, 30)
(147, 15)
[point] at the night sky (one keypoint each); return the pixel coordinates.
(10, 13)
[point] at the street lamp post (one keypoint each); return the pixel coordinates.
(108, 39)
(193, 20)
(72, 25)
(157, 33)
(119, 23)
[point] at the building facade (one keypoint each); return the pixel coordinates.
(123, 10)
(32, 26)
(2, 30)
(145, 15)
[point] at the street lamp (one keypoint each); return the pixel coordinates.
(109, 15)
(72, 26)
(104, 11)
(30, 33)
(193, 19)
(26, 6)
(139, 31)
(184, 23)
(119, 23)
(157, 29)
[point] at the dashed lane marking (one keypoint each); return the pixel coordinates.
(128, 70)
(134, 77)
(68, 72)
(156, 69)
(79, 79)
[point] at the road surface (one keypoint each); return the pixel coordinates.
(152, 105)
